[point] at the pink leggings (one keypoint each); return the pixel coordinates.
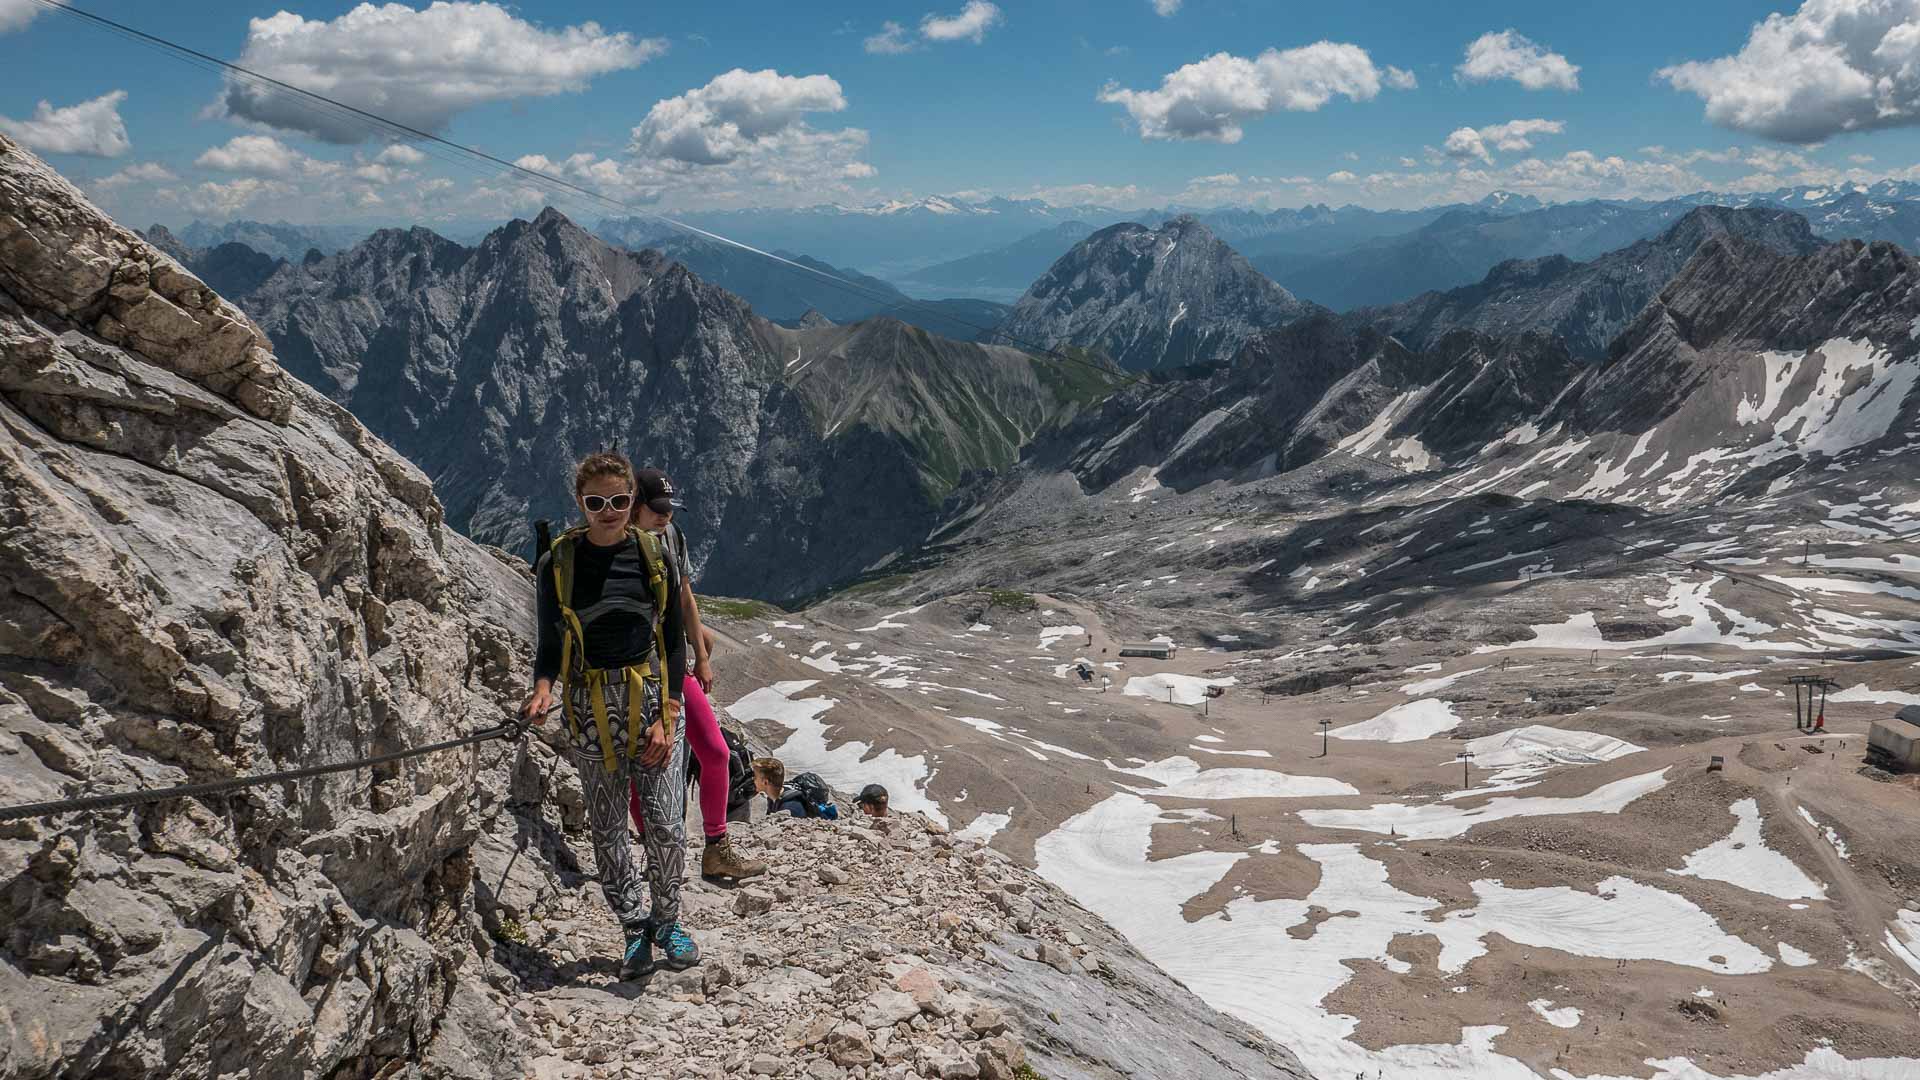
(703, 735)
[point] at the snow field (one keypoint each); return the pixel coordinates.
(1744, 859)
(845, 766)
(1568, 1017)
(1411, 722)
(1435, 821)
(1187, 689)
(1242, 960)
(1183, 778)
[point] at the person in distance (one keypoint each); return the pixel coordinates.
(656, 500)
(872, 801)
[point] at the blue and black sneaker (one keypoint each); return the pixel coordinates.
(677, 950)
(638, 960)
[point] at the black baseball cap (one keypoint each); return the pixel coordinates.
(657, 491)
(872, 795)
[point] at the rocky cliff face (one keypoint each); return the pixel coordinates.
(495, 367)
(1152, 298)
(212, 570)
(1584, 304)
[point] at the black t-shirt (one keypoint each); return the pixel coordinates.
(622, 633)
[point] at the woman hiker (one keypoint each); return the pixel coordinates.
(610, 634)
(653, 512)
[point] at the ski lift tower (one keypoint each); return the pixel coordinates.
(1812, 689)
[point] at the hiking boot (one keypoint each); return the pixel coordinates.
(638, 960)
(677, 950)
(719, 860)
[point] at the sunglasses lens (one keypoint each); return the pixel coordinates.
(620, 502)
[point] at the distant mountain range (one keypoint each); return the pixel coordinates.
(279, 240)
(1582, 304)
(808, 455)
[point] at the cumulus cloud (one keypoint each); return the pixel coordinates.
(400, 154)
(420, 68)
(264, 155)
(16, 14)
(1833, 66)
(1341, 177)
(736, 141)
(1507, 54)
(971, 24)
(224, 200)
(891, 40)
(1212, 98)
(737, 111)
(1166, 9)
(93, 128)
(145, 172)
(1514, 135)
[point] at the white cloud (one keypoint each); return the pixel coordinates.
(1860, 159)
(1341, 177)
(970, 25)
(1166, 9)
(1466, 143)
(417, 67)
(1507, 54)
(1398, 79)
(1833, 66)
(1514, 135)
(145, 172)
(218, 200)
(1123, 196)
(264, 155)
(1212, 98)
(1409, 163)
(891, 40)
(400, 154)
(93, 128)
(734, 113)
(16, 14)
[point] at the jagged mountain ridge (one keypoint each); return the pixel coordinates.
(1583, 304)
(1151, 298)
(543, 343)
(1749, 367)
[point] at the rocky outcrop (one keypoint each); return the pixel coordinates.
(210, 570)
(1583, 304)
(495, 367)
(1151, 298)
(874, 950)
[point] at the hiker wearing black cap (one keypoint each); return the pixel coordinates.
(610, 636)
(872, 801)
(653, 511)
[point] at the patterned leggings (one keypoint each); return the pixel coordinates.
(662, 793)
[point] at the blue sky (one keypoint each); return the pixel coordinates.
(1121, 102)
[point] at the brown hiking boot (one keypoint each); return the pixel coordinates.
(719, 860)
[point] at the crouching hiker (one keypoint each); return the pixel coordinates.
(611, 636)
(653, 512)
(806, 795)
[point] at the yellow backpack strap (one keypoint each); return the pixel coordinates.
(653, 558)
(594, 681)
